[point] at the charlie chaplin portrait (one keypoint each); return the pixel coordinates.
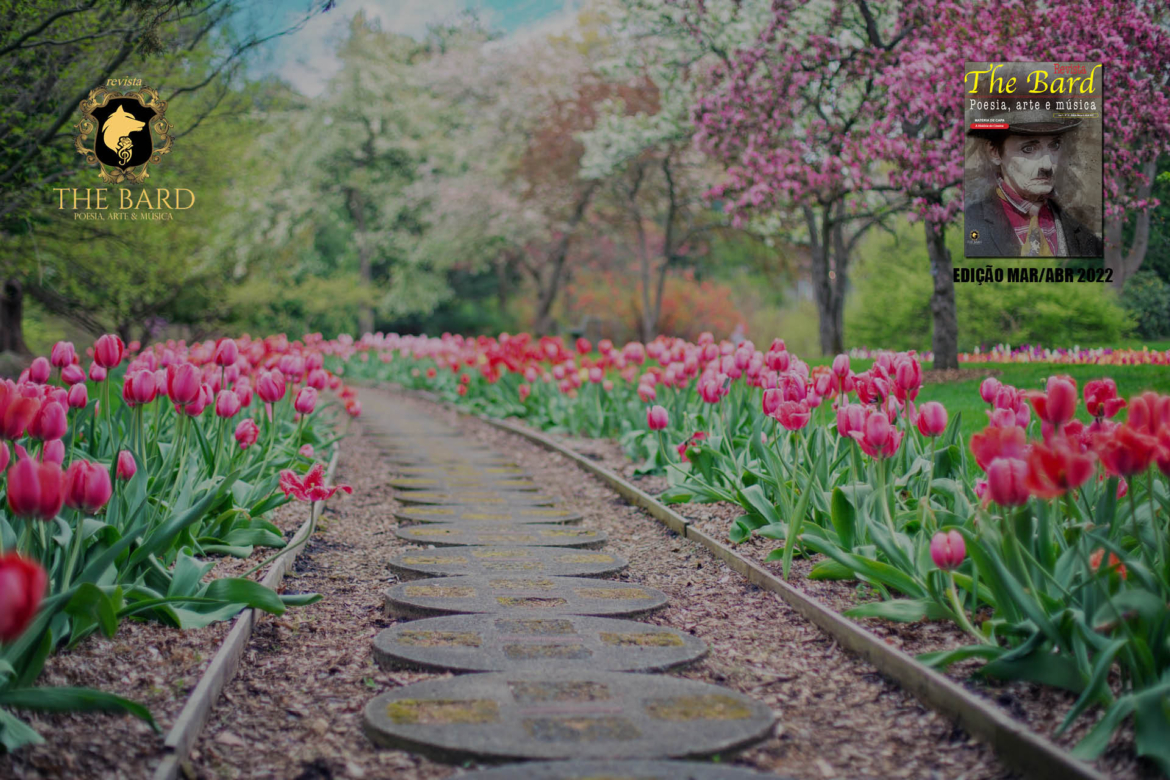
(1033, 189)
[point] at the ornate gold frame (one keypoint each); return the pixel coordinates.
(161, 126)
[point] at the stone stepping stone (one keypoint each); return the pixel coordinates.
(564, 715)
(475, 482)
(438, 472)
(473, 497)
(515, 515)
(618, 770)
(527, 561)
(500, 643)
(520, 596)
(467, 460)
(523, 535)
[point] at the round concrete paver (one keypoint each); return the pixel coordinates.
(498, 643)
(405, 459)
(437, 513)
(523, 535)
(476, 497)
(520, 596)
(472, 482)
(546, 561)
(438, 472)
(618, 770)
(564, 715)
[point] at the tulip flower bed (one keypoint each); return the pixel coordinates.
(1043, 537)
(122, 478)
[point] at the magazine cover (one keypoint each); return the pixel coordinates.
(1032, 172)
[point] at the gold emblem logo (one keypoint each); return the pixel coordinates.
(123, 134)
(974, 235)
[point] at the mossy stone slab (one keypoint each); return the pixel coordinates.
(473, 497)
(502, 716)
(520, 596)
(508, 515)
(464, 482)
(521, 534)
(503, 642)
(497, 560)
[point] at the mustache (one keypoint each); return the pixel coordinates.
(1044, 174)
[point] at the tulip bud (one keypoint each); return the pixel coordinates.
(39, 371)
(183, 384)
(35, 489)
(53, 452)
(96, 373)
(72, 374)
(78, 396)
(62, 354)
(50, 422)
(247, 433)
(657, 418)
(226, 352)
(988, 389)
(305, 401)
(948, 550)
(22, 587)
(227, 404)
(932, 419)
(126, 465)
(841, 365)
(108, 351)
(87, 486)
(1006, 481)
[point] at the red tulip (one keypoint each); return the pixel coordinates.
(22, 587)
(19, 413)
(1101, 398)
(63, 354)
(657, 418)
(78, 396)
(1125, 451)
(49, 423)
(226, 352)
(306, 400)
(523, 391)
(1055, 469)
(35, 489)
(793, 415)
(39, 371)
(126, 465)
(270, 386)
(948, 550)
(1149, 413)
(53, 452)
(932, 418)
(108, 351)
(583, 346)
(1007, 481)
(996, 442)
(353, 408)
(1058, 405)
(247, 433)
(227, 404)
(87, 486)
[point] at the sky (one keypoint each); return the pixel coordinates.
(307, 58)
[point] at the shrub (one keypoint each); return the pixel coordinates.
(1147, 299)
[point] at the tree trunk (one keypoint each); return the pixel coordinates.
(828, 283)
(550, 285)
(945, 341)
(11, 318)
(1125, 264)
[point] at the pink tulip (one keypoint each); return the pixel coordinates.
(39, 371)
(53, 452)
(196, 407)
(50, 422)
(247, 432)
(96, 373)
(87, 486)
(306, 400)
(647, 393)
(226, 352)
(126, 465)
(227, 404)
(270, 386)
(183, 384)
(63, 354)
(317, 379)
(793, 415)
(72, 374)
(988, 389)
(841, 366)
(1007, 481)
(948, 550)
(108, 351)
(932, 418)
(772, 400)
(307, 451)
(879, 439)
(35, 489)
(850, 418)
(656, 418)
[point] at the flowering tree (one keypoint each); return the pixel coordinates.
(790, 115)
